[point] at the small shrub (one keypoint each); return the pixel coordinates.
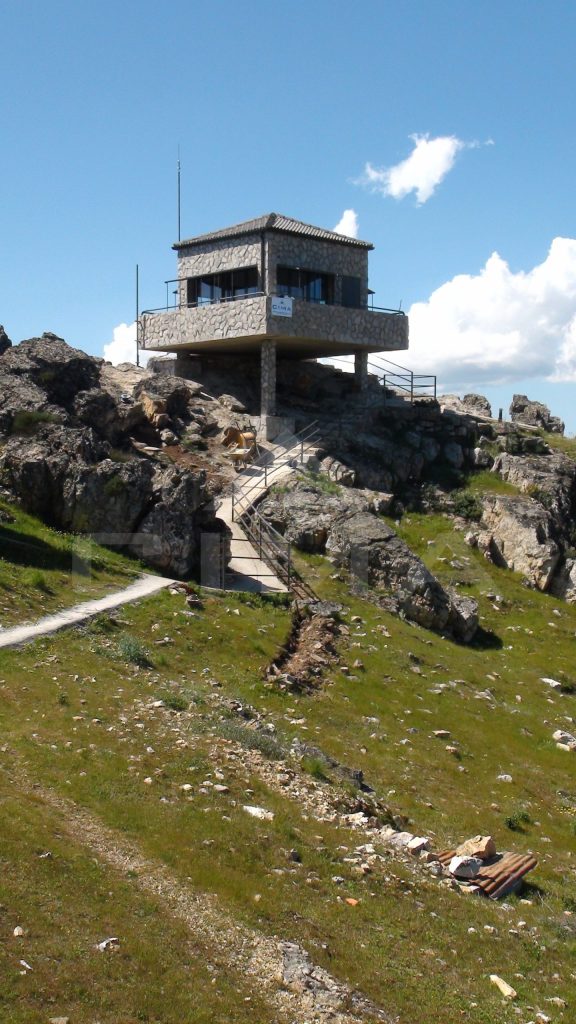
(253, 739)
(26, 420)
(466, 505)
(313, 766)
(321, 482)
(133, 650)
(174, 702)
(63, 700)
(517, 820)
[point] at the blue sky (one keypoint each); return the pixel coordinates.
(281, 107)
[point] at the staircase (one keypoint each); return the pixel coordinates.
(261, 559)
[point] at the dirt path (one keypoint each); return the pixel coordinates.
(299, 991)
(142, 587)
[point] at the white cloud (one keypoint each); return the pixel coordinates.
(348, 224)
(421, 172)
(122, 349)
(498, 327)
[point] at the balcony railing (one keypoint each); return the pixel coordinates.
(176, 304)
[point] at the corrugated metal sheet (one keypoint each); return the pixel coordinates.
(500, 875)
(273, 222)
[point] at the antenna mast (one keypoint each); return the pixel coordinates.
(179, 235)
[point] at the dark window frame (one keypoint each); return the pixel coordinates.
(223, 286)
(302, 283)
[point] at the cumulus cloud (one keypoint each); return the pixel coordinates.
(348, 224)
(497, 327)
(122, 348)
(421, 172)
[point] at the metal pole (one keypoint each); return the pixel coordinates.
(179, 236)
(137, 318)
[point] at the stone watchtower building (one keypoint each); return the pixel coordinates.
(273, 286)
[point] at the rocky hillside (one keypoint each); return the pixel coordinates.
(119, 453)
(135, 457)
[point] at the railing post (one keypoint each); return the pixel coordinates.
(412, 389)
(260, 538)
(233, 501)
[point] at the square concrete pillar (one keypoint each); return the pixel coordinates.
(268, 378)
(361, 369)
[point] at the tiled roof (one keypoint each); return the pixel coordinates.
(274, 222)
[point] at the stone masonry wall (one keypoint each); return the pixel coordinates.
(246, 317)
(213, 257)
(351, 327)
(251, 317)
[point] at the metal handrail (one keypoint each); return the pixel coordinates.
(200, 305)
(254, 294)
(407, 381)
(302, 442)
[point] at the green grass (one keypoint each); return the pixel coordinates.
(485, 482)
(43, 571)
(87, 726)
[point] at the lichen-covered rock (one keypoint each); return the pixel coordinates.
(536, 414)
(344, 527)
(550, 479)
(517, 533)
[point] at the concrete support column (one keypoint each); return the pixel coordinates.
(268, 378)
(361, 369)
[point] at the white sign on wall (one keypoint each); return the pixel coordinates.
(281, 305)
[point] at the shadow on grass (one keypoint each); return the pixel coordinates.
(21, 550)
(486, 640)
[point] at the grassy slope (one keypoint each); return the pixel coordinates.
(75, 714)
(42, 571)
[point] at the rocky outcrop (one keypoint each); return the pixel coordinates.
(550, 479)
(535, 414)
(517, 533)
(59, 417)
(5, 342)
(343, 527)
(564, 583)
(474, 405)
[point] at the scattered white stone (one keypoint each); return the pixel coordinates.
(219, 788)
(551, 682)
(186, 788)
(504, 778)
(18, 932)
(505, 988)
(25, 965)
(400, 839)
(418, 844)
(565, 740)
(148, 781)
(259, 812)
(110, 943)
(464, 867)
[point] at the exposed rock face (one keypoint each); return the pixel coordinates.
(5, 342)
(59, 417)
(517, 533)
(536, 414)
(474, 405)
(564, 583)
(550, 479)
(343, 526)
